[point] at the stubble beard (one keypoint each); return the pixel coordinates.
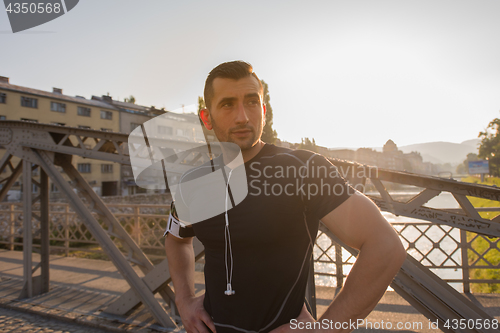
(244, 144)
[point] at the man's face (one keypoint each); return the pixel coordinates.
(237, 113)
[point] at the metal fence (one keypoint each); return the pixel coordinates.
(441, 248)
(144, 223)
(438, 247)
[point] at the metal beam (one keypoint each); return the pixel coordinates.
(45, 231)
(430, 295)
(11, 180)
(27, 291)
(157, 280)
(478, 225)
(114, 227)
(105, 241)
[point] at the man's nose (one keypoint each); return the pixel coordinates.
(241, 114)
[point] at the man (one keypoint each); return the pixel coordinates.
(258, 285)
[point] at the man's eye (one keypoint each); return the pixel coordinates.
(253, 102)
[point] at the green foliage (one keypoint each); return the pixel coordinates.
(130, 99)
(489, 148)
(307, 144)
(481, 245)
(201, 104)
(269, 135)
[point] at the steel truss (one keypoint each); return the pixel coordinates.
(48, 147)
(430, 295)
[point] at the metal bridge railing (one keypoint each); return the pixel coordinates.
(440, 248)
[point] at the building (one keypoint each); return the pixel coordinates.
(98, 113)
(27, 104)
(390, 158)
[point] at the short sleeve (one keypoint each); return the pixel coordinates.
(325, 187)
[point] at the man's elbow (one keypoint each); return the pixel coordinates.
(396, 252)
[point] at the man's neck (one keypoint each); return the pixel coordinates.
(250, 153)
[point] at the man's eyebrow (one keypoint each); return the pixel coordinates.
(226, 100)
(251, 95)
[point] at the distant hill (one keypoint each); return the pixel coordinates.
(443, 152)
(473, 143)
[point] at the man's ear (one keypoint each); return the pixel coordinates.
(205, 117)
(264, 108)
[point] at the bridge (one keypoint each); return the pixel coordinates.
(47, 148)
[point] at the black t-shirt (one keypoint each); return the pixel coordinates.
(272, 234)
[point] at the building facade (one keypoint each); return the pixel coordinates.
(55, 108)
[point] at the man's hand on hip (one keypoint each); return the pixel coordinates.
(194, 316)
(298, 324)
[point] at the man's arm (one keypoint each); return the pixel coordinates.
(180, 255)
(359, 224)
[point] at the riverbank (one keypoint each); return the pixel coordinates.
(483, 246)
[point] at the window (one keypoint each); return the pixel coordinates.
(106, 115)
(3, 98)
(3, 117)
(106, 168)
(34, 188)
(83, 111)
(27, 119)
(58, 107)
(53, 188)
(29, 102)
(106, 129)
(165, 130)
(133, 126)
(84, 167)
(83, 127)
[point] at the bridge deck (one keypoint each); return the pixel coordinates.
(81, 288)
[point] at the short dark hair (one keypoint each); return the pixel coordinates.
(228, 70)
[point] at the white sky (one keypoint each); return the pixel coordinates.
(348, 73)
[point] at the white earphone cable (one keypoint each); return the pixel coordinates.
(227, 239)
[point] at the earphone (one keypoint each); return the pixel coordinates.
(227, 235)
(229, 290)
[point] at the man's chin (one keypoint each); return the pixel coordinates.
(245, 145)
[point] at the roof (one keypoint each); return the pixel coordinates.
(126, 107)
(41, 93)
(131, 106)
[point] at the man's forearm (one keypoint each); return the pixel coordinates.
(180, 255)
(376, 265)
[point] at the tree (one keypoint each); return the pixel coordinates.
(489, 147)
(269, 135)
(130, 99)
(464, 167)
(201, 104)
(307, 144)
